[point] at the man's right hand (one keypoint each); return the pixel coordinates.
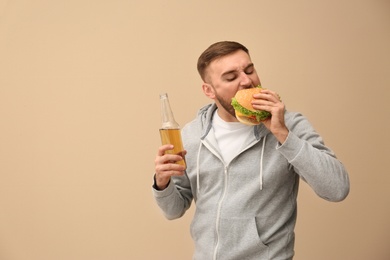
(166, 167)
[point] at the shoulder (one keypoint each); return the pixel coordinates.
(201, 122)
(294, 118)
(302, 128)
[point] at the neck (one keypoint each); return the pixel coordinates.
(226, 116)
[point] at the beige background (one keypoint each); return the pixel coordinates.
(79, 118)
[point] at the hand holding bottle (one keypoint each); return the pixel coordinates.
(170, 159)
(166, 166)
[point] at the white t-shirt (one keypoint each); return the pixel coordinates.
(230, 136)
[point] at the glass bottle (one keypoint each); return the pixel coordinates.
(170, 129)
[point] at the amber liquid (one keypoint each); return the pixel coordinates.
(173, 136)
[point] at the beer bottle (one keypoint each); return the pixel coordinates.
(170, 129)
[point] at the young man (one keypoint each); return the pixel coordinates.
(243, 179)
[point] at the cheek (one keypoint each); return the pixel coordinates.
(226, 91)
(228, 94)
(231, 88)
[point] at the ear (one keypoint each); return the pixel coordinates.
(208, 90)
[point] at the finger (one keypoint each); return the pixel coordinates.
(266, 99)
(170, 169)
(168, 158)
(162, 149)
(271, 94)
(183, 153)
(273, 107)
(270, 106)
(263, 96)
(264, 104)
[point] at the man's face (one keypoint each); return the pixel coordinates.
(225, 76)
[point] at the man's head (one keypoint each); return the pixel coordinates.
(215, 51)
(225, 68)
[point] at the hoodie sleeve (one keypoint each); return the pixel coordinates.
(175, 199)
(315, 163)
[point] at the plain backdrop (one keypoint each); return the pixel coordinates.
(79, 118)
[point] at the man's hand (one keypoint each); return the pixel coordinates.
(268, 100)
(166, 167)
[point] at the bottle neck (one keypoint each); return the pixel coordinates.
(168, 120)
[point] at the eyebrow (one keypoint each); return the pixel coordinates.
(233, 70)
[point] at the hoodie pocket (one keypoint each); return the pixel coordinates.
(203, 234)
(239, 239)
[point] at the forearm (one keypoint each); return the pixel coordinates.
(172, 203)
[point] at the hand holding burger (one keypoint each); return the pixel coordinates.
(252, 111)
(245, 113)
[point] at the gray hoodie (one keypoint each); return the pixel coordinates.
(248, 208)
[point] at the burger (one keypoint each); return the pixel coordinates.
(245, 113)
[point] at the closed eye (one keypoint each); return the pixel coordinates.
(250, 69)
(230, 76)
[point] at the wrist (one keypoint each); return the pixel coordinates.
(281, 135)
(158, 185)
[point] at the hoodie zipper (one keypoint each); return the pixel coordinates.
(219, 214)
(222, 198)
(220, 201)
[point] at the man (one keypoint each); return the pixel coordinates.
(243, 179)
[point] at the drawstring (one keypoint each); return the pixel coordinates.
(261, 164)
(197, 169)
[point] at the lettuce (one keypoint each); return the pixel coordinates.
(259, 114)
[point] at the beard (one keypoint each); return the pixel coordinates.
(226, 104)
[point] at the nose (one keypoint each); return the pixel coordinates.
(245, 81)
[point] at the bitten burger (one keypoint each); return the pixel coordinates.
(245, 113)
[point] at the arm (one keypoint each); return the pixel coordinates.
(313, 161)
(304, 149)
(171, 188)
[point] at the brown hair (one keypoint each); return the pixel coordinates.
(215, 51)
